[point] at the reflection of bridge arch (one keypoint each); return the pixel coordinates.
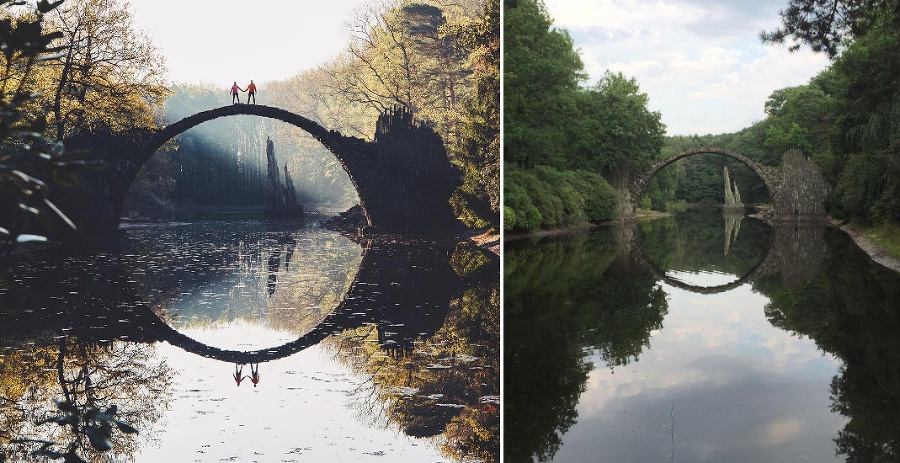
(764, 267)
(796, 252)
(769, 175)
(334, 323)
(408, 288)
(769, 264)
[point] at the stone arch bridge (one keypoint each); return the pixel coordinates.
(403, 178)
(797, 188)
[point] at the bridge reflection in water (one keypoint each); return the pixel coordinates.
(594, 335)
(405, 297)
(796, 252)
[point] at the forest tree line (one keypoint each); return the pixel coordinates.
(564, 141)
(437, 58)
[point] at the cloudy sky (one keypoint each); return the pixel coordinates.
(700, 61)
(717, 383)
(220, 41)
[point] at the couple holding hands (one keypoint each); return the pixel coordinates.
(251, 93)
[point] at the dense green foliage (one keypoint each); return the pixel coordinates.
(559, 134)
(545, 198)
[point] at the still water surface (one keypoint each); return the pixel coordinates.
(254, 341)
(700, 337)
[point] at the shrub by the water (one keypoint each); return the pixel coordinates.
(545, 198)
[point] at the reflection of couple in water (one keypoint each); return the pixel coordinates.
(254, 373)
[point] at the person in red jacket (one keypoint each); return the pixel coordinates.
(254, 371)
(237, 374)
(235, 98)
(251, 92)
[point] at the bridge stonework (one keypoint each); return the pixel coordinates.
(404, 178)
(797, 188)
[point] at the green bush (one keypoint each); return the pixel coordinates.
(509, 218)
(646, 203)
(600, 198)
(545, 198)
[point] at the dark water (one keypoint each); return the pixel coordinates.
(248, 341)
(671, 342)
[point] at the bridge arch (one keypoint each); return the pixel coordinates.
(403, 177)
(336, 143)
(769, 175)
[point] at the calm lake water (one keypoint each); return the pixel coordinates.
(700, 337)
(254, 341)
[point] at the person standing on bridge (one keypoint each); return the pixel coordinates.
(251, 92)
(235, 98)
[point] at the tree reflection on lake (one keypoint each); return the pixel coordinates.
(656, 343)
(341, 341)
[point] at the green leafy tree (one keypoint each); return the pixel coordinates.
(541, 73)
(559, 137)
(615, 129)
(825, 24)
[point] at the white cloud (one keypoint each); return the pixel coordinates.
(700, 62)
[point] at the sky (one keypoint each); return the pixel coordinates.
(222, 41)
(700, 61)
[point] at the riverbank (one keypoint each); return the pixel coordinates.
(878, 253)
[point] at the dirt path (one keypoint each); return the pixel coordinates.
(876, 252)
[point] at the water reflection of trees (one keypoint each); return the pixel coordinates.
(850, 310)
(84, 376)
(271, 273)
(430, 349)
(694, 241)
(567, 300)
(432, 380)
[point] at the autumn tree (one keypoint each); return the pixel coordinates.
(403, 55)
(480, 129)
(438, 59)
(110, 76)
